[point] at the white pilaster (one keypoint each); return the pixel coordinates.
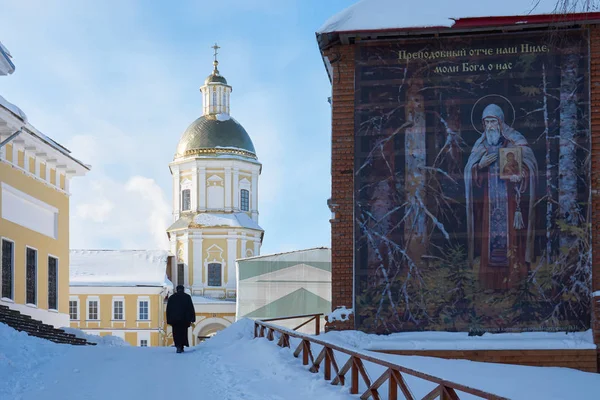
(194, 191)
(176, 205)
(243, 245)
(15, 153)
(202, 189)
(254, 201)
(257, 247)
(186, 259)
(236, 190)
(231, 256)
(197, 260)
(228, 188)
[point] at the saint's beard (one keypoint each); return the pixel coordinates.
(492, 135)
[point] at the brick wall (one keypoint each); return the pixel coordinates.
(583, 360)
(595, 117)
(342, 160)
(342, 178)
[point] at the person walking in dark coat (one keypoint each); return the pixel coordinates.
(180, 315)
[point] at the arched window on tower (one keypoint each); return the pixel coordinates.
(185, 200)
(214, 99)
(244, 200)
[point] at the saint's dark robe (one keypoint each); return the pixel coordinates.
(500, 218)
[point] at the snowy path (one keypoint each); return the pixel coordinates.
(228, 367)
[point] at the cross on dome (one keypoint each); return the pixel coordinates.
(216, 62)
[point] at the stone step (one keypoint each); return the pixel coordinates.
(32, 327)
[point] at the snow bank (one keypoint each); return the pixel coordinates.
(596, 293)
(340, 314)
(242, 329)
(118, 268)
(108, 340)
(461, 340)
(389, 14)
(19, 354)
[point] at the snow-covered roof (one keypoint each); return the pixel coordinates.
(119, 268)
(372, 15)
(234, 220)
(27, 127)
(6, 65)
(13, 109)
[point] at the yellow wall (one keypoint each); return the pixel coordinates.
(105, 324)
(45, 245)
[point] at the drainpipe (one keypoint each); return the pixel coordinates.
(11, 137)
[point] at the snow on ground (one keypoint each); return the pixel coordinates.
(461, 340)
(383, 14)
(230, 365)
(234, 365)
(511, 381)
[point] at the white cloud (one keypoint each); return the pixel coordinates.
(118, 88)
(133, 214)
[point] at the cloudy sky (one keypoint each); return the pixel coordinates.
(116, 82)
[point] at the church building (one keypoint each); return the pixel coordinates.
(215, 207)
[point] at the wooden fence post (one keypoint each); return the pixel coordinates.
(354, 377)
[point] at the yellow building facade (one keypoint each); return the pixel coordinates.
(215, 174)
(35, 173)
(120, 293)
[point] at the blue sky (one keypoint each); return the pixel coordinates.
(117, 82)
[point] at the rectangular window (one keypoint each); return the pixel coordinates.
(245, 200)
(214, 274)
(180, 274)
(93, 310)
(74, 310)
(8, 259)
(144, 314)
(143, 343)
(185, 200)
(31, 277)
(52, 283)
(118, 310)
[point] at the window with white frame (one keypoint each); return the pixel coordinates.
(52, 283)
(245, 200)
(74, 309)
(143, 343)
(93, 309)
(214, 274)
(186, 202)
(118, 309)
(31, 276)
(144, 310)
(8, 265)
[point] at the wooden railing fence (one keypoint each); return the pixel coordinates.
(393, 374)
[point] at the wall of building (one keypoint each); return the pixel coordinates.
(32, 192)
(130, 328)
(595, 108)
(342, 181)
(203, 246)
(216, 185)
(342, 58)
